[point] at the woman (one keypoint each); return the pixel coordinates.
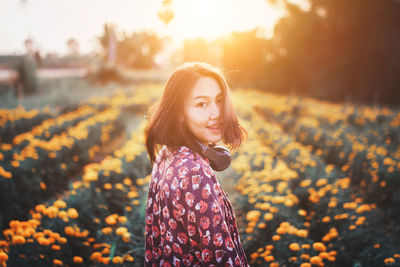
(189, 219)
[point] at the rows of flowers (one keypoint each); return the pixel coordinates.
(295, 205)
(99, 221)
(334, 114)
(368, 156)
(96, 221)
(43, 167)
(19, 120)
(378, 128)
(302, 211)
(39, 162)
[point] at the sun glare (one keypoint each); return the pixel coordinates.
(211, 19)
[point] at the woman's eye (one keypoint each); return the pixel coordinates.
(201, 104)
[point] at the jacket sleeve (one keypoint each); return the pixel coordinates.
(204, 219)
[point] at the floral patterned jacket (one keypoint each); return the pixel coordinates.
(189, 219)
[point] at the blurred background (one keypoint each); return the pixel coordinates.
(333, 50)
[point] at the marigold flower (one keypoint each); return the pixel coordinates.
(254, 256)
(294, 247)
(132, 194)
(60, 204)
(304, 256)
(117, 260)
(69, 230)
(302, 233)
(96, 256)
(276, 237)
(106, 230)
(319, 246)
(43, 241)
(3, 256)
(62, 240)
(77, 259)
(55, 247)
(119, 186)
(316, 260)
(269, 258)
(72, 213)
(57, 262)
(52, 212)
(107, 186)
(253, 215)
(128, 258)
(111, 219)
(281, 231)
(389, 261)
(121, 230)
(262, 225)
(122, 219)
(105, 260)
(302, 212)
(268, 216)
(18, 240)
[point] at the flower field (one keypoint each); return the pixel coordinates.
(315, 184)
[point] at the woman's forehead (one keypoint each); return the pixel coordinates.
(206, 87)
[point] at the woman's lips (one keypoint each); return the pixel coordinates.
(214, 128)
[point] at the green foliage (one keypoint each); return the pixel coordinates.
(135, 50)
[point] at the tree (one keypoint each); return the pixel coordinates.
(136, 50)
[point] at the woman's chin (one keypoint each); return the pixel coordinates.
(214, 140)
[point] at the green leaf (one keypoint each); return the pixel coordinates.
(114, 245)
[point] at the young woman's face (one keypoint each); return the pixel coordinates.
(202, 110)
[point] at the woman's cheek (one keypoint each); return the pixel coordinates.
(199, 117)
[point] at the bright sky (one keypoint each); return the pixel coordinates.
(50, 23)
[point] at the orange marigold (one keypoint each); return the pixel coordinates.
(294, 247)
(60, 204)
(302, 233)
(316, 260)
(276, 237)
(72, 213)
(111, 219)
(69, 230)
(62, 240)
(3, 256)
(96, 256)
(77, 259)
(122, 219)
(18, 240)
(121, 230)
(319, 246)
(117, 260)
(269, 258)
(389, 261)
(57, 262)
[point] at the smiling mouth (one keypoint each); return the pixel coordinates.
(214, 127)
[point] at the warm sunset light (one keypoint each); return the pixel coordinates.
(210, 19)
(192, 18)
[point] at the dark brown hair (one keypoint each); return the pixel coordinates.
(165, 127)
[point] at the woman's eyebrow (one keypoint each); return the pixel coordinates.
(200, 96)
(207, 97)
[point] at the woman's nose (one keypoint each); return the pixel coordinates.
(214, 111)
